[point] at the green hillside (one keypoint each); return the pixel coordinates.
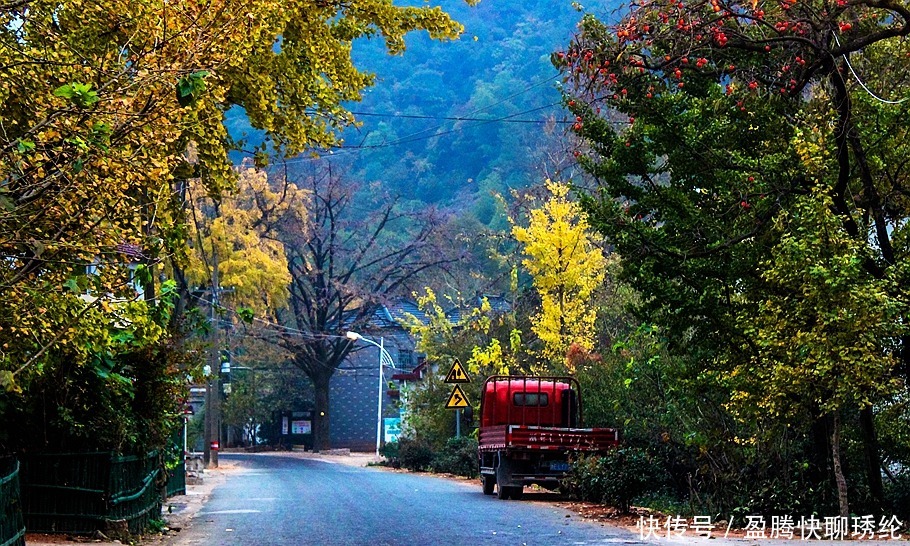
(459, 120)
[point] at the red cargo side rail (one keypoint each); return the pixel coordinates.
(533, 437)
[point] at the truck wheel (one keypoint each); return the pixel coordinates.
(516, 492)
(504, 476)
(502, 492)
(488, 483)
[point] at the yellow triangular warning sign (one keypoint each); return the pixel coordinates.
(457, 399)
(457, 374)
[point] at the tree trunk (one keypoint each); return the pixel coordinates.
(820, 465)
(903, 363)
(321, 436)
(873, 461)
(838, 470)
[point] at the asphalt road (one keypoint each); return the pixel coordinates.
(283, 500)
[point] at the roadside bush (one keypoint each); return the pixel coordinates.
(898, 492)
(414, 454)
(125, 403)
(389, 451)
(459, 456)
(617, 478)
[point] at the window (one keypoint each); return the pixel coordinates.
(406, 358)
(531, 399)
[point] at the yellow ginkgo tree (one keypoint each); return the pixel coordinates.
(100, 106)
(99, 103)
(567, 267)
(237, 234)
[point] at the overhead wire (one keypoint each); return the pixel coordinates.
(862, 84)
(422, 134)
(307, 335)
(484, 108)
(406, 140)
(280, 329)
(453, 118)
(343, 150)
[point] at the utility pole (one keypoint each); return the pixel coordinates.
(213, 382)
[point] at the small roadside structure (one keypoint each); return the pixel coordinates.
(352, 391)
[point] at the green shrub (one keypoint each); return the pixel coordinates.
(617, 478)
(459, 456)
(389, 451)
(414, 454)
(898, 492)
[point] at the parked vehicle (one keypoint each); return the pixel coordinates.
(529, 433)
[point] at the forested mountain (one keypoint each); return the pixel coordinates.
(425, 133)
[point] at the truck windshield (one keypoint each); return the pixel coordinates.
(530, 399)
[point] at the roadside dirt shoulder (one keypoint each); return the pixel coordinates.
(178, 512)
(637, 521)
(335, 456)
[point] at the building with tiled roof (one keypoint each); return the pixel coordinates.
(354, 388)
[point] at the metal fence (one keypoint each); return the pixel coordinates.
(176, 465)
(176, 479)
(80, 493)
(12, 526)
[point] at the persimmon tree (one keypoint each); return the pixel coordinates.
(705, 124)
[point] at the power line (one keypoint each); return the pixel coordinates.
(272, 326)
(406, 140)
(280, 329)
(484, 108)
(419, 136)
(863, 85)
(456, 118)
(422, 134)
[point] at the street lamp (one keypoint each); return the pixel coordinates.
(354, 336)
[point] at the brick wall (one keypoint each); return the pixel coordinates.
(353, 391)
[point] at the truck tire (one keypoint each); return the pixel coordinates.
(503, 492)
(489, 483)
(503, 476)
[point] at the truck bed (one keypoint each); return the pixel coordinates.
(498, 437)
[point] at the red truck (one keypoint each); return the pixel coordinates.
(529, 432)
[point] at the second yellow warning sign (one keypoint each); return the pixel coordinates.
(458, 399)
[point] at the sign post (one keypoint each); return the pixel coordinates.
(457, 399)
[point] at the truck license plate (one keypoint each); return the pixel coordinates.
(559, 466)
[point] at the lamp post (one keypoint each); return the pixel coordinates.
(354, 336)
